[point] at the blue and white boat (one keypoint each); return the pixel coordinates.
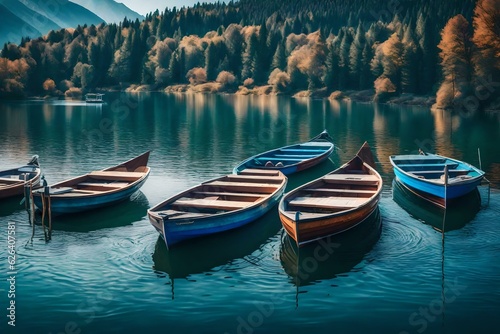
(293, 158)
(437, 178)
(217, 205)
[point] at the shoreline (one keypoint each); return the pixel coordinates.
(363, 96)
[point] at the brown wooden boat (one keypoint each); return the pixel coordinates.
(12, 181)
(334, 203)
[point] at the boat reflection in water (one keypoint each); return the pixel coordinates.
(214, 252)
(10, 205)
(330, 256)
(458, 212)
(121, 214)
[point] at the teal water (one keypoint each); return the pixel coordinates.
(107, 271)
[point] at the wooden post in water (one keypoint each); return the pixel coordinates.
(32, 206)
(26, 185)
(297, 215)
(32, 209)
(50, 215)
(42, 196)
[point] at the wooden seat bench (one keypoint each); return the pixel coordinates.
(451, 171)
(410, 167)
(299, 150)
(211, 204)
(180, 214)
(368, 180)
(410, 159)
(341, 191)
(222, 193)
(264, 188)
(257, 179)
(278, 159)
(114, 175)
(328, 202)
(254, 171)
(115, 185)
(303, 156)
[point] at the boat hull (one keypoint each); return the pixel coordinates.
(66, 205)
(18, 188)
(333, 203)
(174, 232)
(297, 161)
(312, 230)
(449, 192)
(67, 196)
(434, 189)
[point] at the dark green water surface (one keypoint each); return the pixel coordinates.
(107, 271)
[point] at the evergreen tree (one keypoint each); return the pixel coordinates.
(331, 78)
(279, 58)
(366, 77)
(174, 68)
(409, 70)
(250, 64)
(345, 45)
(261, 69)
(356, 57)
(428, 50)
(211, 62)
(234, 45)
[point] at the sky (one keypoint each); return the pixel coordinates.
(146, 6)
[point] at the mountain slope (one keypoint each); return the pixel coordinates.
(110, 10)
(63, 12)
(13, 28)
(40, 22)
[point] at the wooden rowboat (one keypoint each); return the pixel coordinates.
(217, 205)
(293, 158)
(333, 203)
(339, 253)
(96, 189)
(436, 178)
(12, 181)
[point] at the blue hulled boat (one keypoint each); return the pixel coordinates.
(436, 178)
(95, 189)
(293, 158)
(217, 205)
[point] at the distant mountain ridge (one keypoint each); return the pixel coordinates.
(63, 12)
(110, 10)
(34, 18)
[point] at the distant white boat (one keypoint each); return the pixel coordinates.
(94, 98)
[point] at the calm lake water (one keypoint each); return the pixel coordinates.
(107, 271)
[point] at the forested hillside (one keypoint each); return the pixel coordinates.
(289, 46)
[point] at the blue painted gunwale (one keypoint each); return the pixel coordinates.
(435, 187)
(174, 231)
(318, 151)
(64, 205)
